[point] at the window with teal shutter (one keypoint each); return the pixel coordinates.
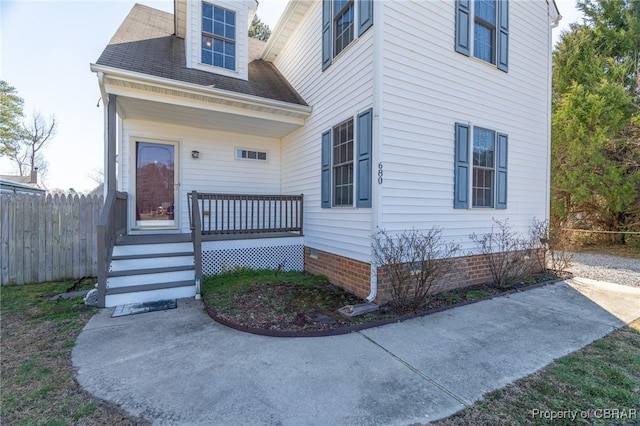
(462, 26)
(482, 29)
(501, 171)
(346, 169)
(339, 21)
(480, 168)
(461, 167)
(364, 145)
(326, 34)
(325, 186)
(365, 20)
(503, 35)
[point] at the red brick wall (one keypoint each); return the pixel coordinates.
(355, 276)
(352, 275)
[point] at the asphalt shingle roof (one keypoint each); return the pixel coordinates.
(145, 43)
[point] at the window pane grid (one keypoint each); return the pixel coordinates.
(343, 24)
(484, 30)
(253, 155)
(218, 37)
(483, 167)
(343, 164)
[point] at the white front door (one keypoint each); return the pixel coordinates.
(156, 192)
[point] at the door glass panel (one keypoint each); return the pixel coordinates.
(155, 190)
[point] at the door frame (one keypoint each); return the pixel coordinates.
(133, 227)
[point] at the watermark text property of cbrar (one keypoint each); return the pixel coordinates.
(598, 413)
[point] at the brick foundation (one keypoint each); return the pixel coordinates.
(352, 275)
(467, 271)
(355, 276)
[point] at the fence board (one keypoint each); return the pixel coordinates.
(56, 240)
(47, 238)
(42, 248)
(18, 219)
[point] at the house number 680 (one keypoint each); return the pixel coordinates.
(380, 173)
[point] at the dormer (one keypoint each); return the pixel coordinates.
(216, 34)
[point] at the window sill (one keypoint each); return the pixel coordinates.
(220, 70)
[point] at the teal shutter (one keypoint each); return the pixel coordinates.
(463, 26)
(365, 20)
(461, 167)
(363, 171)
(325, 186)
(326, 33)
(503, 35)
(501, 171)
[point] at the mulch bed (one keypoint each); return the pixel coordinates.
(283, 309)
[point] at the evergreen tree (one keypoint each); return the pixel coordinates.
(259, 29)
(595, 123)
(10, 116)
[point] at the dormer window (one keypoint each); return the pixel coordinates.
(218, 37)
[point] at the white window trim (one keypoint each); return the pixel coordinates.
(472, 166)
(356, 14)
(235, 40)
(194, 58)
(353, 163)
(238, 148)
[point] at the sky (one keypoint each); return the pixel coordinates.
(46, 47)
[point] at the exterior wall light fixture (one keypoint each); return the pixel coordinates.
(195, 154)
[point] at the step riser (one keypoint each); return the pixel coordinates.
(133, 264)
(131, 280)
(149, 296)
(138, 249)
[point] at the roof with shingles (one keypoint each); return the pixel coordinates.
(145, 43)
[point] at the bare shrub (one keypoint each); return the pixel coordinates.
(414, 261)
(507, 252)
(551, 242)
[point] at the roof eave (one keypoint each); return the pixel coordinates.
(555, 13)
(248, 100)
(286, 21)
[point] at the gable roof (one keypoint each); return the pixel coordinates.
(19, 184)
(145, 43)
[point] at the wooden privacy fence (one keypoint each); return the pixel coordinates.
(48, 238)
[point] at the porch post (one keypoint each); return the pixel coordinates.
(110, 155)
(196, 236)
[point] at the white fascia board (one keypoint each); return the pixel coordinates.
(555, 13)
(270, 51)
(190, 88)
(164, 98)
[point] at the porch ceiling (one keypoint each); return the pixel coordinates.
(141, 109)
(149, 98)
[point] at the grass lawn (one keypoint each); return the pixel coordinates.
(37, 378)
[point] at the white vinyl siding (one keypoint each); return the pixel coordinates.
(337, 94)
(216, 170)
(427, 87)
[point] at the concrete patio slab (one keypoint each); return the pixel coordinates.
(621, 301)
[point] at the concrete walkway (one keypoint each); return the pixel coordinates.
(180, 367)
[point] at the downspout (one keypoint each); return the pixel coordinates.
(555, 21)
(376, 157)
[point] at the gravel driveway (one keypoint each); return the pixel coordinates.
(613, 269)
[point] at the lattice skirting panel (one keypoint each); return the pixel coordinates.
(268, 253)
